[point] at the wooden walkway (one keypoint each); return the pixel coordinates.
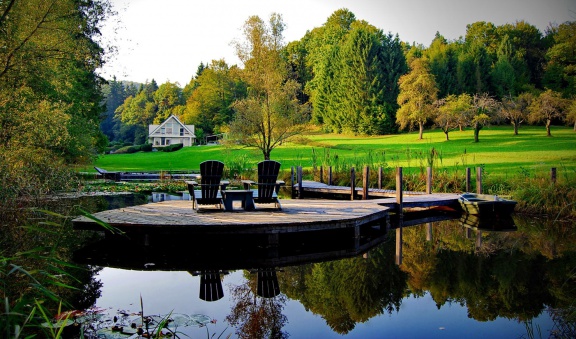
(320, 188)
(381, 196)
(296, 215)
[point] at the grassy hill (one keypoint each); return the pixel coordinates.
(499, 152)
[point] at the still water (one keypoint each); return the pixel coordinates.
(450, 280)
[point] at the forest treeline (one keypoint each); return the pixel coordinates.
(359, 80)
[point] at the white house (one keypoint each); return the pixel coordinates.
(171, 131)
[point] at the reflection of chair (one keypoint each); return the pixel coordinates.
(211, 286)
(210, 184)
(267, 184)
(267, 283)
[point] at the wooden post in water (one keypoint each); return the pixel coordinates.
(429, 231)
(330, 175)
(352, 183)
(321, 174)
(365, 182)
(399, 189)
(553, 175)
(300, 193)
(468, 186)
(380, 177)
(479, 180)
(292, 191)
(429, 180)
(399, 244)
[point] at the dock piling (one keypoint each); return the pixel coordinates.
(300, 192)
(399, 192)
(468, 180)
(429, 180)
(352, 183)
(380, 175)
(479, 180)
(365, 182)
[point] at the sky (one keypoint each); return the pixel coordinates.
(167, 40)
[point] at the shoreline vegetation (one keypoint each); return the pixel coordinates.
(516, 166)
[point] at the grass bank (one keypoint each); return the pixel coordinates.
(499, 152)
(518, 166)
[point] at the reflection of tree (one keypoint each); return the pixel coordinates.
(349, 291)
(256, 317)
(513, 279)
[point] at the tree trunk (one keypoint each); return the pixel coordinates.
(548, 122)
(477, 132)
(446, 132)
(421, 130)
(515, 128)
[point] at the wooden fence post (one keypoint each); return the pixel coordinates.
(380, 177)
(321, 174)
(366, 182)
(479, 180)
(429, 232)
(352, 183)
(330, 175)
(399, 192)
(468, 186)
(300, 193)
(429, 180)
(553, 175)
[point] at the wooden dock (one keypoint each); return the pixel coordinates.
(295, 216)
(384, 197)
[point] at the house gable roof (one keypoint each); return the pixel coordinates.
(155, 128)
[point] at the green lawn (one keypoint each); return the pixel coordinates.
(498, 150)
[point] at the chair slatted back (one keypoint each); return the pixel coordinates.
(211, 174)
(267, 175)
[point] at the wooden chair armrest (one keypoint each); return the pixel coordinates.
(224, 184)
(247, 184)
(193, 183)
(280, 183)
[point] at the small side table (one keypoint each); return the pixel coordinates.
(246, 196)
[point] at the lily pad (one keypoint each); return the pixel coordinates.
(199, 320)
(109, 334)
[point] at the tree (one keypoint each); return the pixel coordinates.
(418, 93)
(452, 112)
(167, 98)
(571, 114)
(549, 105)
(50, 94)
(484, 109)
(515, 109)
(271, 113)
(209, 107)
(560, 73)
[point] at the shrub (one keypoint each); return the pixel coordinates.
(171, 148)
(146, 148)
(127, 149)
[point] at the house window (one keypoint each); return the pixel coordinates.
(163, 130)
(169, 130)
(167, 142)
(181, 131)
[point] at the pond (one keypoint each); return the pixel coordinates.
(437, 279)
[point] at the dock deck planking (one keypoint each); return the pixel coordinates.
(296, 215)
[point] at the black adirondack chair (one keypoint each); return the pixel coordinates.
(210, 185)
(267, 185)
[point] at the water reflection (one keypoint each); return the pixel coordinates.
(500, 272)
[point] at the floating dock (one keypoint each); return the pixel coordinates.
(295, 216)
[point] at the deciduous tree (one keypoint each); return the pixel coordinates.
(418, 93)
(271, 112)
(515, 109)
(453, 112)
(549, 105)
(484, 109)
